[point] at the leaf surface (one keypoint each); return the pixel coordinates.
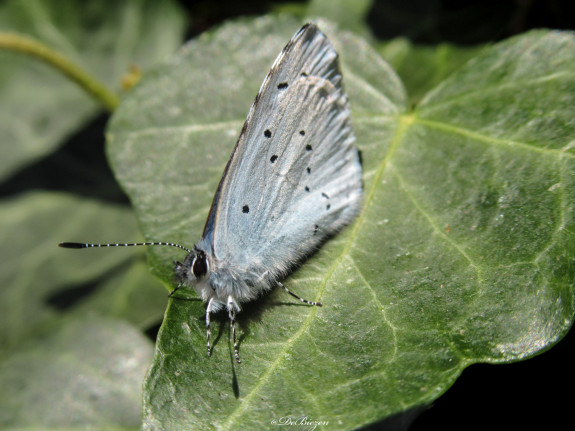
(72, 349)
(39, 106)
(463, 252)
(64, 379)
(42, 281)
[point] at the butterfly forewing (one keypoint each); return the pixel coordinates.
(300, 173)
(293, 179)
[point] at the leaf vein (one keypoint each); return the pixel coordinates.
(187, 129)
(489, 139)
(440, 232)
(388, 105)
(381, 307)
(561, 225)
(229, 423)
(496, 89)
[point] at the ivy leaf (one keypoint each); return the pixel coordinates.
(41, 107)
(64, 379)
(39, 279)
(463, 252)
(72, 348)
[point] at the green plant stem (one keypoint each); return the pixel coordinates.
(33, 48)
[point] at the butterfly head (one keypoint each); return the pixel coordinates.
(194, 268)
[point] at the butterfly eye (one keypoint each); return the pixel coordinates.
(200, 265)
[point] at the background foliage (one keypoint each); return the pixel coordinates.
(87, 314)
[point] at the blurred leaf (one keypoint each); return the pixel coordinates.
(349, 14)
(64, 359)
(463, 252)
(84, 373)
(130, 293)
(40, 280)
(422, 67)
(40, 107)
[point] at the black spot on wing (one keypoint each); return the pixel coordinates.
(268, 133)
(282, 85)
(246, 209)
(308, 147)
(308, 169)
(302, 132)
(273, 158)
(306, 188)
(325, 195)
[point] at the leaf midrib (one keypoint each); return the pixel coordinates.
(404, 122)
(427, 106)
(491, 140)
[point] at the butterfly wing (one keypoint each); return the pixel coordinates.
(294, 176)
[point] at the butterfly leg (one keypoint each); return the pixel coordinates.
(232, 307)
(299, 297)
(209, 310)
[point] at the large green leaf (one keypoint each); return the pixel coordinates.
(460, 255)
(72, 352)
(39, 279)
(40, 107)
(85, 372)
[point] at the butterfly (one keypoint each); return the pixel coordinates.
(293, 181)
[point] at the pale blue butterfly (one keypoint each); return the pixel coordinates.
(293, 180)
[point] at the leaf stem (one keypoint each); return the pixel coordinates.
(25, 45)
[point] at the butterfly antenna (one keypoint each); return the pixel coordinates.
(89, 245)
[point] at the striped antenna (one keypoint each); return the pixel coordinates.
(88, 245)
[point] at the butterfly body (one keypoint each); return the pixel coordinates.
(215, 280)
(293, 180)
